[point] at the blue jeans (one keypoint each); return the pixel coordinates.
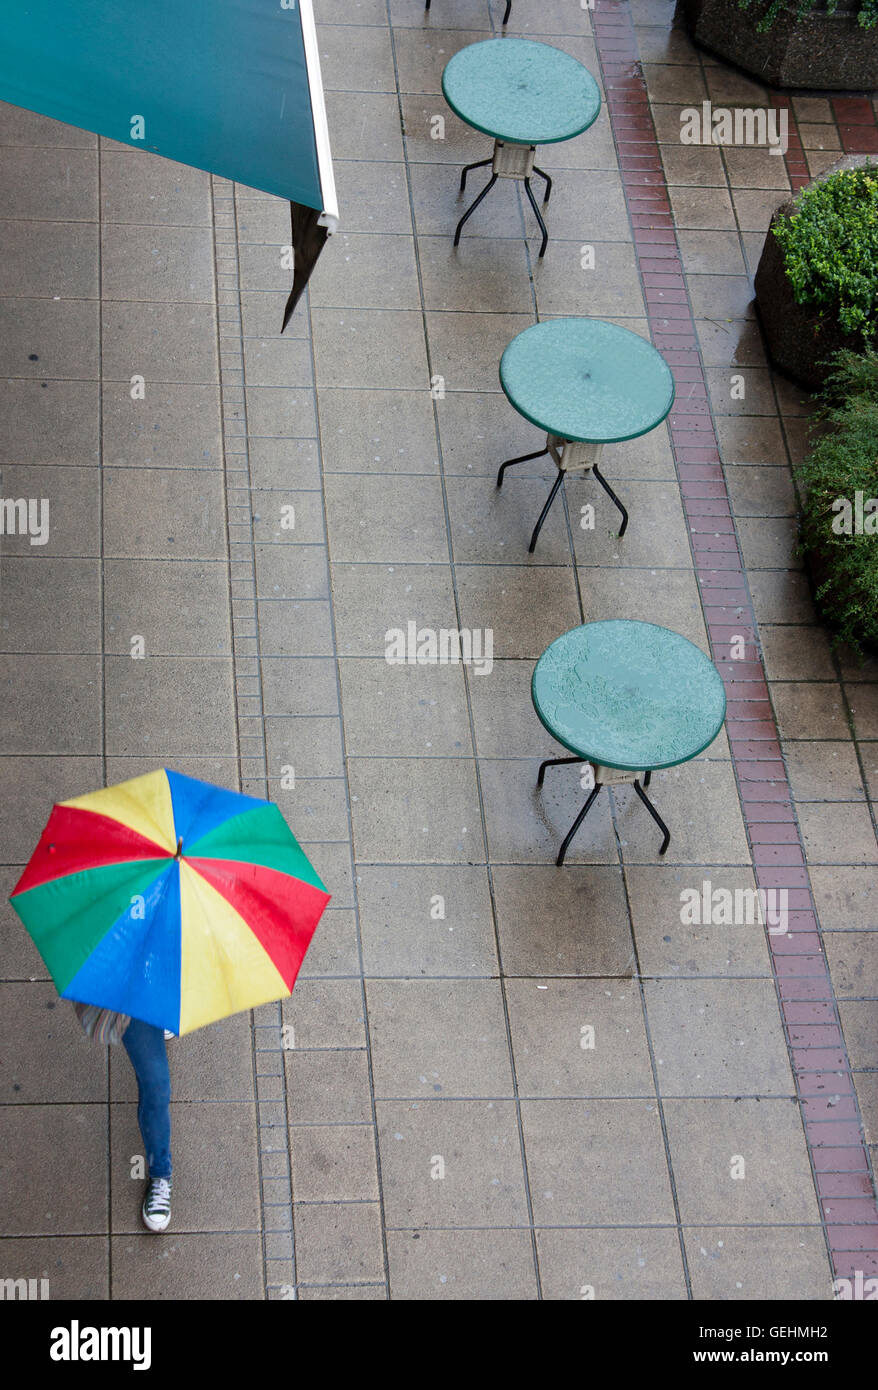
(145, 1046)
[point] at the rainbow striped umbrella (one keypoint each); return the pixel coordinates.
(171, 900)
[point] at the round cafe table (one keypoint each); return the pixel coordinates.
(627, 697)
(586, 383)
(523, 94)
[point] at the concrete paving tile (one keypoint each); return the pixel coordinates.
(163, 513)
(674, 85)
(45, 1056)
(350, 348)
(490, 525)
(768, 542)
(422, 55)
(291, 572)
(638, 1263)
(20, 127)
(781, 596)
(221, 769)
(415, 811)
(622, 592)
(311, 745)
(363, 271)
(278, 362)
(740, 1162)
(479, 430)
(473, 1144)
(225, 1131)
(846, 898)
(342, 1293)
(299, 685)
(262, 310)
(432, 1037)
(274, 523)
(823, 771)
(262, 219)
(28, 788)
(157, 263)
(224, 1266)
(49, 258)
(434, 920)
(858, 1025)
(339, 1241)
(73, 496)
(283, 464)
(211, 1064)
(20, 957)
(578, 1038)
(291, 628)
(755, 168)
(180, 608)
(758, 1262)
(364, 125)
(429, 709)
(372, 519)
(46, 338)
(140, 187)
(588, 205)
(172, 427)
(519, 606)
(656, 534)
(75, 1266)
(480, 277)
(456, 14)
(668, 945)
(49, 605)
(276, 411)
(698, 802)
(377, 432)
(526, 824)
(439, 205)
(554, 17)
(866, 1085)
(592, 1161)
(863, 700)
(718, 1037)
(724, 296)
(54, 1169)
(169, 706)
(334, 946)
(263, 267)
(840, 832)
(730, 343)
(503, 714)
(749, 391)
(809, 710)
(693, 166)
(465, 349)
(586, 933)
(50, 422)
(333, 1163)
(50, 704)
(373, 196)
(757, 491)
(707, 208)
(371, 600)
(162, 342)
(593, 150)
(853, 962)
(471, 1266)
(609, 288)
(328, 1087)
(326, 1013)
(433, 134)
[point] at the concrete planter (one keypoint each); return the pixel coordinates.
(823, 51)
(797, 337)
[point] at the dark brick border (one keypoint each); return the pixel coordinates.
(818, 1055)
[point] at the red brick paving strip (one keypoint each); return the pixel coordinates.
(830, 1111)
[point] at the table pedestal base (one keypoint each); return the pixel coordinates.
(568, 455)
(606, 777)
(508, 162)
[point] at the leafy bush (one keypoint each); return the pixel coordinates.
(839, 533)
(830, 248)
(867, 11)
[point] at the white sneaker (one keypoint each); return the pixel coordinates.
(169, 1034)
(157, 1204)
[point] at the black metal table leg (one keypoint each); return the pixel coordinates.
(469, 212)
(508, 11)
(611, 494)
(555, 762)
(539, 216)
(479, 164)
(545, 512)
(522, 458)
(577, 823)
(655, 815)
(543, 175)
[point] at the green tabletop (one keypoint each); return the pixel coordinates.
(587, 380)
(521, 92)
(628, 695)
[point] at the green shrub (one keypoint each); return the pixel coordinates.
(830, 248)
(839, 533)
(867, 11)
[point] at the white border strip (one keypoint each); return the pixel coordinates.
(329, 217)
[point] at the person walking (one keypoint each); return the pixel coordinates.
(147, 1050)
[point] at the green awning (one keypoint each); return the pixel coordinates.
(229, 86)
